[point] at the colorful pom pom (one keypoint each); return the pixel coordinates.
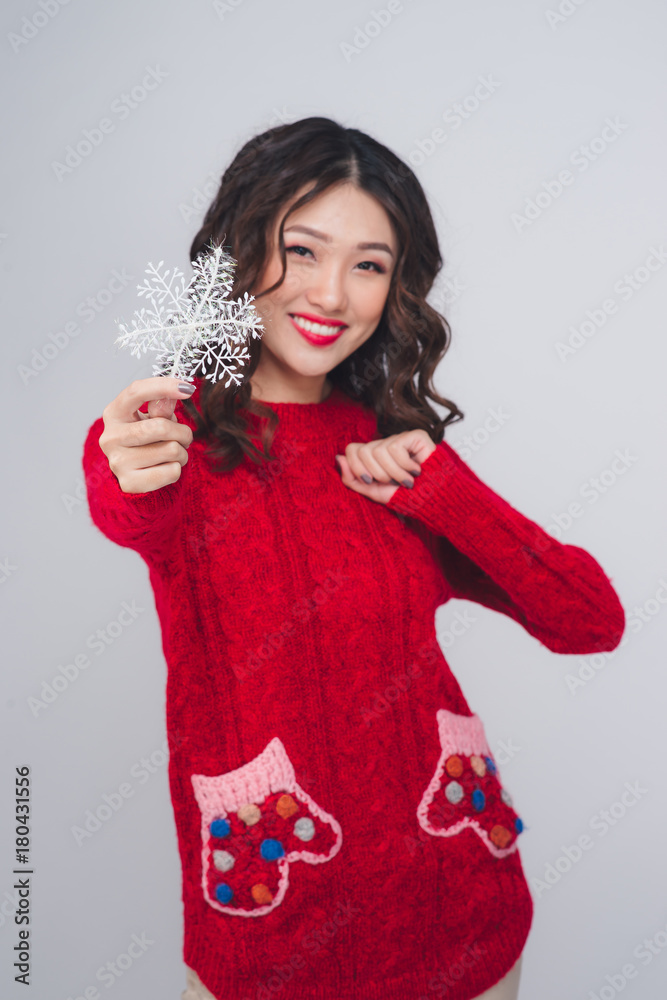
(454, 766)
(271, 849)
(500, 836)
(219, 828)
(223, 860)
(478, 799)
(249, 813)
(304, 828)
(454, 792)
(506, 797)
(261, 893)
(223, 892)
(478, 765)
(286, 806)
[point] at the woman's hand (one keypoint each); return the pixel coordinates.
(386, 463)
(146, 451)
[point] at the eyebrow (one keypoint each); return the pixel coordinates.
(327, 239)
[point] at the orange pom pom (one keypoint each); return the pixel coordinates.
(261, 893)
(454, 766)
(286, 806)
(500, 836)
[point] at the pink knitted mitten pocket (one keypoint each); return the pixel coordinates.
(466, 790)
(254, 822)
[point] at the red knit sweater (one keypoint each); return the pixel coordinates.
(342, 824)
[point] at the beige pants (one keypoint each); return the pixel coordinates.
(506, 989)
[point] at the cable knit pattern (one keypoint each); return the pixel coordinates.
(304, 677)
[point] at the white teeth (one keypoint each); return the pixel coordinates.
(316, 327)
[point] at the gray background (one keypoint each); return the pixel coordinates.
(511, 297)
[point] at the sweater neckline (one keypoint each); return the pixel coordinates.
(298, 407)
(309, 420)
(312, 419)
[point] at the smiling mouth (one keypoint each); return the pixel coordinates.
(317, 333)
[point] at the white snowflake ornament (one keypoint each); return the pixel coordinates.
(196, 325)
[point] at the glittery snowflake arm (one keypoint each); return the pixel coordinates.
(492, 554)
(194, 328)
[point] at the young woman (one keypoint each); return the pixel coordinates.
(343, 827)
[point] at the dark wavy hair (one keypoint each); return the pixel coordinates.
(392, 371)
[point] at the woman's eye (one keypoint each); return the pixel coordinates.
(297, 247)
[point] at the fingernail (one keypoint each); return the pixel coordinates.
(184, 387)
(416, 472)
(366, 478)
(408, 483)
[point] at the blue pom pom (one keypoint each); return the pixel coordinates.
(518, 823)
(478, 799)
(271, 849)
(219, 828)
(491, 766)
(223, 893)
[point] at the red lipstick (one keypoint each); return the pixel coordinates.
(319, 340)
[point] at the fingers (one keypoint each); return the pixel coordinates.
(147, 456)
(385, 461)
(147, 480)
(124, 408)
(146, 451)
(379, 492)
(162, 408)
(125, 426)
(144, 432)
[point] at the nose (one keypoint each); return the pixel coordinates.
(326, 290)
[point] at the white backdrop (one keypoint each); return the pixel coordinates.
(537, 130)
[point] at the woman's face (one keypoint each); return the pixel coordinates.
(341, 252)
